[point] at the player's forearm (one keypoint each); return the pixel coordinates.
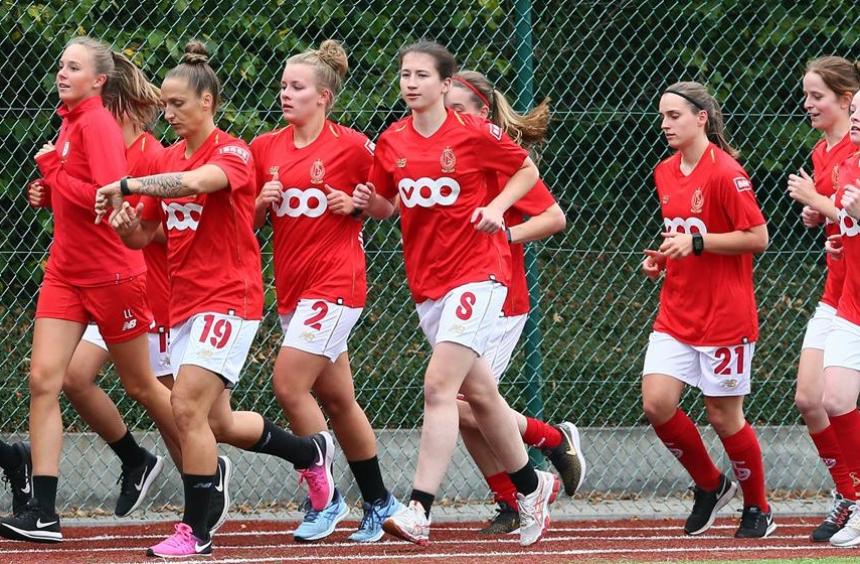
(547, 223)
(754, 240)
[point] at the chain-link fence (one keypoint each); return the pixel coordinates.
(603, 63)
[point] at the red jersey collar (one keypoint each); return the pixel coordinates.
(442, 128)
(87, 104)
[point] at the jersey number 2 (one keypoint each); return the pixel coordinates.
(321, 309)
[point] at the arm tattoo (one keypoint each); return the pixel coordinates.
(162, 185)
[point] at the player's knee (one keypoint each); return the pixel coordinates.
(806, 402)
(76, 384)
(44, 380)
(185, 412)
(725, 422)
(287, 397)
(658, 410)
(335, 406)
(437, 393)
(836, 404)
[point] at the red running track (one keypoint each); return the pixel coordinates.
(583, 541)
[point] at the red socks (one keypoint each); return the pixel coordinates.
(683, 440)
(503, 489)
(541, 435)
(827, 444)
(847, 429)
(745, 455)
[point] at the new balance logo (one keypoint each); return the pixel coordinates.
(129, 325)
(829, 462)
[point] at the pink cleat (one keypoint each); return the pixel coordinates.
(181, 543)
(318, 475)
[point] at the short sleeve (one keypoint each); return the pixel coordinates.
(258, 152)
(381, 171)
(236, 162)
(498, 151)
(739, 201)
(536, 201)
(151, 209)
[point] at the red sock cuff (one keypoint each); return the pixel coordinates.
(742, 440)
(540, 434)
(503, 488)
(672, 428)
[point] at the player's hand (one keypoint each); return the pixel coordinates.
(810, 217)
(36, 193)
(653, 264)
(271, 193)
(833, 246)
(676, 245)
(107, 197)
(126, 219)
(801, 187)
(46, 148)
(338, 202)
(851, 201)
(488, 219)
(363, 196)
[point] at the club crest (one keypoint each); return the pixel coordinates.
(697, 203)
(317, 172)
(448, 160)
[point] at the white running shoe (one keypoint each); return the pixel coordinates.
(849, 535)
(409, 523)
(534, 509)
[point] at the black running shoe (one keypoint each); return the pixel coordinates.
(219, 502)
(32, 524)
(755, 524)
(706, 504)
(837, 517)
(135, 483)
(567, 457)
(19, 478)
(507, 520)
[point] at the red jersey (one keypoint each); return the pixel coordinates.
(141, 156)
(824, 162)
(708, 300)
(535, 202)
(89, 154)
(212, 253)
(441, 179)
(318, 255)
(848, 172)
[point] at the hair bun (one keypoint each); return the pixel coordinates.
(195, 53)
(332, 53)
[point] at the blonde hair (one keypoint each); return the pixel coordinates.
(528, 129)
(330, 66)
(699, 99)
(194, 68)
(132, 96)
(839, 74)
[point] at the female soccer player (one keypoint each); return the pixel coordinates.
(205, 202)
(135, 107)
(472, 93)
(828, 86)
(457, 263)
(320, 274)
(707, 324)
(90, 276)
(841, 362)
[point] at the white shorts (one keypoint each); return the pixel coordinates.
(717, 371)
(501, 347)
(819, 326)
(843, 345)
(467, 315)
(319, 327)
(159, 343)
(214, 341)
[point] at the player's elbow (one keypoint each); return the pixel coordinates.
(761, 240)
(557, 220)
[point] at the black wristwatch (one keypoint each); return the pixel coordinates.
(123, 186)
(508, 235)
(698, 244)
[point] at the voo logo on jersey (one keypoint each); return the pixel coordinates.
(296, 202)
(848, 225)
(684, 225)
(182, 216)
(428, 192)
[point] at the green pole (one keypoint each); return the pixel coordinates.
(525, 98)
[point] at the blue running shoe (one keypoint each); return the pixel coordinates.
(320, 524)
(370, 529)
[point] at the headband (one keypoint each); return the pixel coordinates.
(687, 98)
(471, 87)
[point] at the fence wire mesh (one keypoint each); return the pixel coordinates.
(602, 63)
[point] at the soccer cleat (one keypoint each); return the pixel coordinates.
(567, 457)
(318, 475)
(534, 509)
(181, 543)
(32, 524)
(370, 528)
(219, 501)
(135, 483)
(19, 478)
(410, 524)
(837, 517)
(507, 520)
(320, 524)
(706, 504)
(755, 524)
(849, 535)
